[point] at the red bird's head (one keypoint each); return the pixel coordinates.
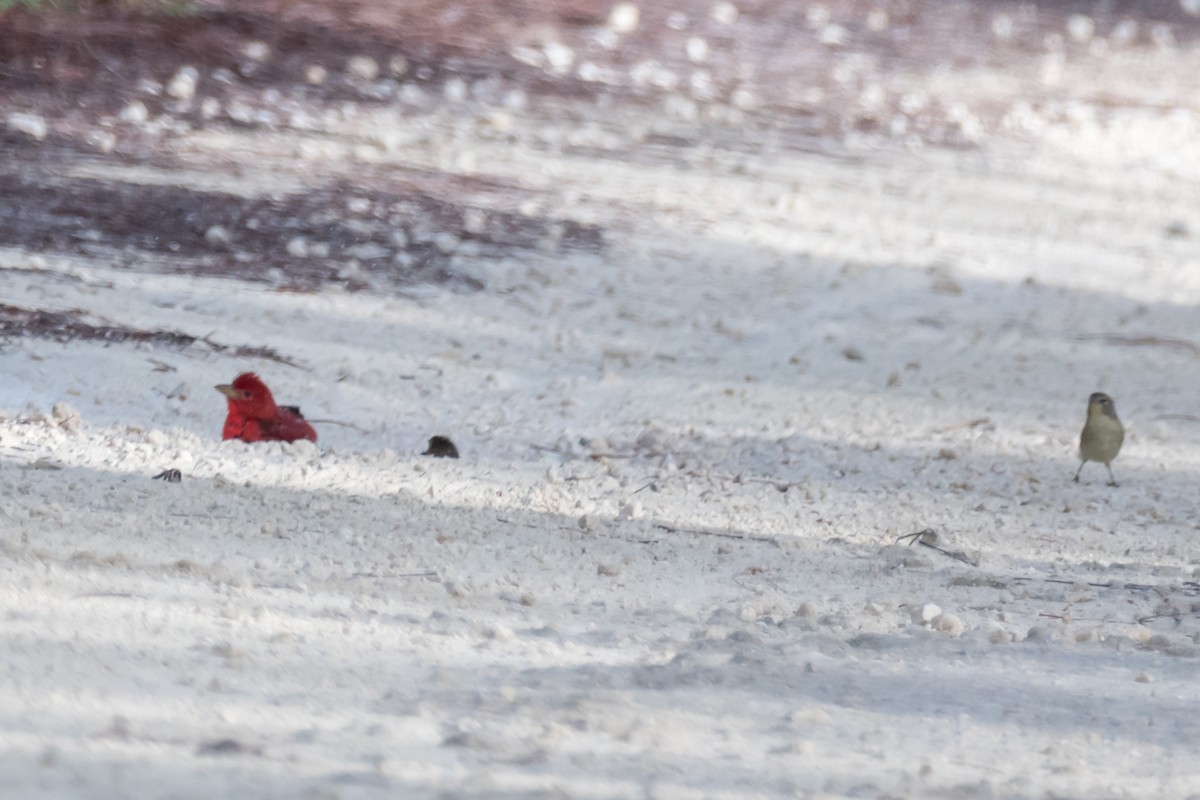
(250, 397)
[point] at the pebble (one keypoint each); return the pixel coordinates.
(315, 74)
(183, 85)
(834, 36)
(474, 220)
(624, 18)
(398, 66)
(32, 125)
(725, 13)
(806, 610)
(948, 623)
(297, 247)
(446, 242)
(697, 50)
(559, 57)
(103, 141)
(363, 67)
(256, 50)
(1081, 28)
(217, 235)
(136, 113)
(456, 90)
(924, 613)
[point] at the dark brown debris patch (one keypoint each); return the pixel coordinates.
(363, 239)
(74, 325)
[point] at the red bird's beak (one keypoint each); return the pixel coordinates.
(227, 390)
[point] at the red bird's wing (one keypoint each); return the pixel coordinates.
(288, 426)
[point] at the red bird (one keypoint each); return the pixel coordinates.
(254, 417)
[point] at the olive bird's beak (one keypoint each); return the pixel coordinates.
(227, 390)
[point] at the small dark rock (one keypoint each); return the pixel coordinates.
(1176, 229)
(441, 447)
(226, 747)
(169, 475)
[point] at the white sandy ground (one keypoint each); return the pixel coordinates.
(609, 595)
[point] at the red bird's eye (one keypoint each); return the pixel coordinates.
(246, 393)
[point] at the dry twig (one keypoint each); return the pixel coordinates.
(928, 538)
